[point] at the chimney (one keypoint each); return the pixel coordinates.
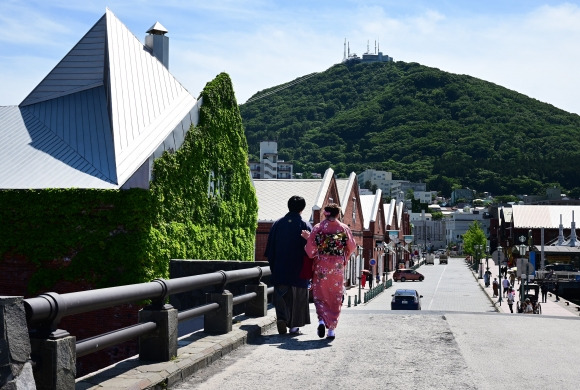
(158, 43)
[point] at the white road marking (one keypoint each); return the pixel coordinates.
(437, 287)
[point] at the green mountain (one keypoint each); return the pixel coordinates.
(420, 123)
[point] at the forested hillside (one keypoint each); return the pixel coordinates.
(422, 124)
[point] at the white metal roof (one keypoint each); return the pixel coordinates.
(105, 108)
(370, 207)
(389, 209)
(345, 188)
(546, 216)
(273, 195)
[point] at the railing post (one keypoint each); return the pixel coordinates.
(15, 363)
(53, 350)
(219, 321)
(161, 345)
(55, 359)
(257, 307)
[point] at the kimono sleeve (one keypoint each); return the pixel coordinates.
(311, 248)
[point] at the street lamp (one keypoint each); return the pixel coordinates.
(360, 261)
(522, 248)
(478, 259)
(499, 249)
(486, 258)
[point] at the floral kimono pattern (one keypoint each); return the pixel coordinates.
(331, 244)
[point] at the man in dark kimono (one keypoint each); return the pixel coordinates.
(285, 253)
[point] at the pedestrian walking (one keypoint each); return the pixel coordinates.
(363, 280)
(495, 286)
(370, 279)
(513, 278)
(378, 278)
(487, 277)
(285, 253)
(544, 291)
(557, 290)
(506, 285)
(511, 296)
(331, 243)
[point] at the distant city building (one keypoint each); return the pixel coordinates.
(269, 166)
(392, 188)
(428, 233)
(459, 221)
(376, 56)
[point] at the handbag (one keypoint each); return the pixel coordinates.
(307, 268)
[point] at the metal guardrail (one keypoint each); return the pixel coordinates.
(44, 312)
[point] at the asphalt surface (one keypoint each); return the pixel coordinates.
(461, 343)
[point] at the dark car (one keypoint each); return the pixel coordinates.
(561, 267)
(406, 300)
(407, 274)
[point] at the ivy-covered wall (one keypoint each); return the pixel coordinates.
(201, 205)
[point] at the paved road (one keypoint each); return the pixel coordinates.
(432, 349)
(408, 350)
(449, 287)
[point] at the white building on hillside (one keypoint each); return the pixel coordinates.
(269, 166)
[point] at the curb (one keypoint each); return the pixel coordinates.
(195, 352)
(493, 303)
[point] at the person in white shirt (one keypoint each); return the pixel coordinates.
(511, 297)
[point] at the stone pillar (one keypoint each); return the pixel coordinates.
(257, 307)
(15, 364)
(160, 346)
(55, 360)
(219, 321)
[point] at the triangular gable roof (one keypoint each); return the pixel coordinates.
(345, 188)
(370, 207)
(323, 190)
(389, 213)
(399, 210)
(95, 119)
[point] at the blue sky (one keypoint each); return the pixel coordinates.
(525, 45)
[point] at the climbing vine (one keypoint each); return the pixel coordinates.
(116, 237)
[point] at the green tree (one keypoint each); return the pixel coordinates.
(436, 215)
(472, 237)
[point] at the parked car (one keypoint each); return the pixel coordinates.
(443, 259)
(406, 300)
(561, 267)
(404, 274)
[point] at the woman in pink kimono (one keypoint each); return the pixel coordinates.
(331, 244)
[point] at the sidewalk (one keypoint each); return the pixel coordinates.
(354, 291)
(550, 307)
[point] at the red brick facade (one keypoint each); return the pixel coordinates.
(15, 274)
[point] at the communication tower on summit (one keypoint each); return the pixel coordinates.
(377, 56)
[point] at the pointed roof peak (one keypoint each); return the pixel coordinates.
(157, 29)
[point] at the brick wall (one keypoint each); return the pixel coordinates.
(16, 271)
(262, 239)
